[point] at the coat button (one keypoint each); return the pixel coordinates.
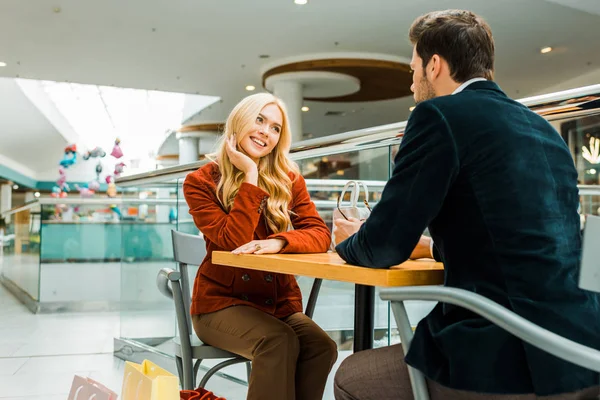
(269, 278)
(244, 297)
(269, 302)
(245, 277)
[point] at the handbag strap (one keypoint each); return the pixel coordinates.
(354, 193)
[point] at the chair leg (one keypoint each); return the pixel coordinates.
(417, 379)
(196, 368)
(179, 364)
(248, 370)
(217, 367)
(188, 373)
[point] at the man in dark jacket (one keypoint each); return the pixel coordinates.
(497, 187)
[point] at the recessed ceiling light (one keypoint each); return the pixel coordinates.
(37, 194)
(301, 2)
(411, 108)
(545, 50)
(2, 64)
(305, 109)
(15, 187)
(250, 88)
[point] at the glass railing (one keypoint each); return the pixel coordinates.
(65, 254)
(147, 316)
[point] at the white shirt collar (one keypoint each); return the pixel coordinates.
(467, 83)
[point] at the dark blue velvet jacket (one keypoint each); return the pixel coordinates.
(497, 187)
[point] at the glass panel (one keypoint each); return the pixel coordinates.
(326, 177)
(149, 216)
(20, 252)
(583, 138)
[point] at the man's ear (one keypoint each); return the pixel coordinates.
(434, 68)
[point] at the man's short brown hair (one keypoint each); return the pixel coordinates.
(461, 38)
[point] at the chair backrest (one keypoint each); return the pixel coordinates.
(187, 250)
(589, 276)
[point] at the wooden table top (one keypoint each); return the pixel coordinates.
(330, 266)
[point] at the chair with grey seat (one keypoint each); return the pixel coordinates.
(522, 328)
(190, 250)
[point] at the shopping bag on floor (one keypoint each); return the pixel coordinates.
(148, 381)
(199, 394)
(88, 389)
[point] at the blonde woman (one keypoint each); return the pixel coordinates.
(245, 201)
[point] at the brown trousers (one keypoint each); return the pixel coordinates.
(382, 374)
(291, 357)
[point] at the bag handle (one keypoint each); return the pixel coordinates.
(354, 192)
(137, 390)
(79, 389)
(354, 195)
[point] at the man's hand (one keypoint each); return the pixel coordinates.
(268, 246)
(422, 249)
(343, 229)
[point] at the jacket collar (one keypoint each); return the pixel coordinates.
(484, 85)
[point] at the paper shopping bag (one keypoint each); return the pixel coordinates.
(88, 389)
(147, 381)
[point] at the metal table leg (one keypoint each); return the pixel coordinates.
(364, 320)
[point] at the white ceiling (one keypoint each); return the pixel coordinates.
(26, 136)
(212, 47)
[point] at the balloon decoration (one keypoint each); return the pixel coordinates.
(112, 193)
(70, 156)
(61, 189)
(69, 159)
(94, 185)
(57, 193)
(84, 191)
(116, 151)
(62, 180)
(118, 169)
(97, 152)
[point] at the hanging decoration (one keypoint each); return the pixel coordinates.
(116, 151)
(96, 152)
(94, 185)
(62, 180)
(57, 193)
(119, 169)
(84, 191)
(70, 156)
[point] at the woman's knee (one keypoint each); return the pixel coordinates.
(330, 350)
(282, 340)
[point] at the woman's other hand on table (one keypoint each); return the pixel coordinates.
(268, 246)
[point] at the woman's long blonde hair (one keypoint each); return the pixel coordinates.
(273, 169)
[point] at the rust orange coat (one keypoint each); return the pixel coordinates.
(217, 286)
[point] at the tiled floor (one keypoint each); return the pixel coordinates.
(39, 354)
